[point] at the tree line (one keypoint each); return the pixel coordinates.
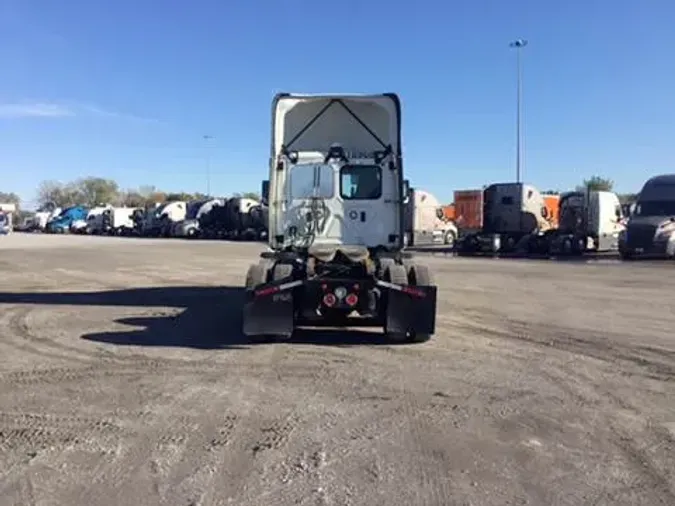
(95, 191)
(598, 183)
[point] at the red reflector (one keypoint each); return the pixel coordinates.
(267, 291)
(413, 291)
(351, 299)
(356, 287)
(329, 300)
(324, 287)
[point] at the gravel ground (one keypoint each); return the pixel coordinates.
(124, 380)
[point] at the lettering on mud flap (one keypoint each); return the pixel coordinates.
(281, 297)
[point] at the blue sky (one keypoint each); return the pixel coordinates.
(127, 89)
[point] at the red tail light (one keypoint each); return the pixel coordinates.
(351, 299)
(329, 300)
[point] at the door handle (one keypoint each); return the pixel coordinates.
(363, 216)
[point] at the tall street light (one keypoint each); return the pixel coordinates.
(518, 44)
(207, 138)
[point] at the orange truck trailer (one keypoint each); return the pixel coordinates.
(552, 203)
(468, 210)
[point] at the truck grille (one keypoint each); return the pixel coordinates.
(641, 236)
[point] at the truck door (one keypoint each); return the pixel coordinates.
(370, 204)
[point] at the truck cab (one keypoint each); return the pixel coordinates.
(426, 222)
(651, 228)
(512, 214)
(61, 223)
(590, 221)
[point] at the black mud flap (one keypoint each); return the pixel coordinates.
(411, 309)
(269, 314)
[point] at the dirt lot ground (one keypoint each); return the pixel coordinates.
(124, 380)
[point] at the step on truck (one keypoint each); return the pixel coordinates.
(336, 195)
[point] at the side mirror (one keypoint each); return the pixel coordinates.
(406, 191)
(265, 192)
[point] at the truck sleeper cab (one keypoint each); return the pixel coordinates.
(514, 215)
(336, 198)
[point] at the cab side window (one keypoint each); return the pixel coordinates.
(361, 182)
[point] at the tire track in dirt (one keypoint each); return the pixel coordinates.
(27, 341)
(35, 431)
(262, 444)
(352, 417)
(207, 449)
(637, 448)
(587, 393)
(21, 338)
(647, 361)
(434, 487)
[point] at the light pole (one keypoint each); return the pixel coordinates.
(207, 138)
(518, 44)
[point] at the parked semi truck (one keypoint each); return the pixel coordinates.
(61, 223)
(189, 227)
(590, 221)
(426, 222)
(160, 221)
(118, 220)
(651, 228)
(503, 218)
(7, 211)
(336, 198)
(42, 216)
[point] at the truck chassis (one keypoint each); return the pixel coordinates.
(286, 290)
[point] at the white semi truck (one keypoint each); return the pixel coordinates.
(590, 222)
(336, 197)
(425, 223)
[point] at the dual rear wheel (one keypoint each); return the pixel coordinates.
(408, 273)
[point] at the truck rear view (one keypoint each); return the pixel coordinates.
(336, 198)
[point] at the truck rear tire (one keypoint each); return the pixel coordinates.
(384, 265)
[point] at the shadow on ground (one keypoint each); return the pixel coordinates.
(211, 318)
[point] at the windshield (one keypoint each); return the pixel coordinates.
(193, 208)
(311, 181)
(361, 182)
(160, 210)
(655, 208)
